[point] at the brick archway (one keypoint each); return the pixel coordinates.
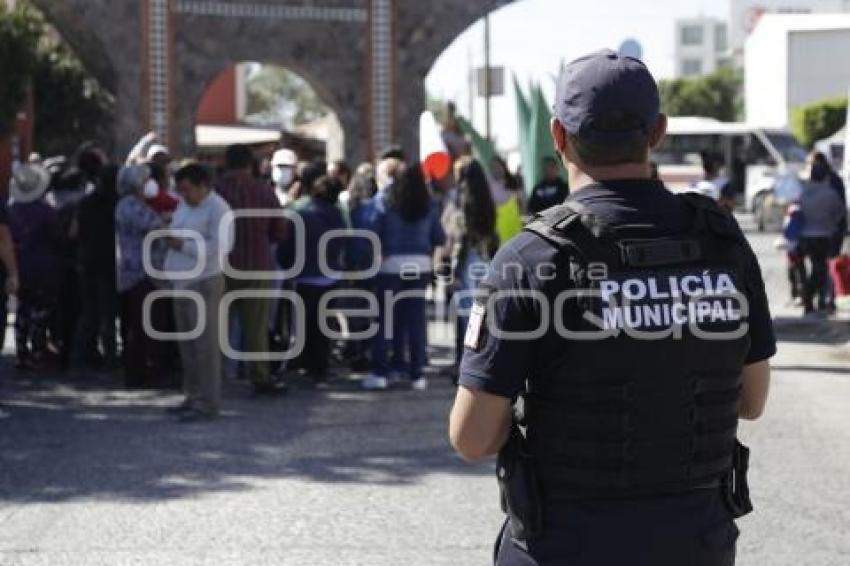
(366, 58)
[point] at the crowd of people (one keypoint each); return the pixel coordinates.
(127, 267)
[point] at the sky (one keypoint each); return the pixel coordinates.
(530, 38)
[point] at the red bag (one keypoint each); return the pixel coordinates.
(839, 270)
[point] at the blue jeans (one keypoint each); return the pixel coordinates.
(402, 303)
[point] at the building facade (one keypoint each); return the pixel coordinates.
(701, 46)
(791, 62)
(744, 15)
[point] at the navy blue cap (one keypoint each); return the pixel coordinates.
(605, 84)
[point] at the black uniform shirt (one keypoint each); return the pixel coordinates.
(524, 266)
(661, 530)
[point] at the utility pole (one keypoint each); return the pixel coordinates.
(487, 93)
(471, 86)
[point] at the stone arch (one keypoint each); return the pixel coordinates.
(186, 118)
(89, 47)
(200, 57)
(332, 55)
(106, 36)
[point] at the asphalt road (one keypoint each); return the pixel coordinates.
(93, 475)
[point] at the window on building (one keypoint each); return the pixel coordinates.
(692, 35)
(721, 38)
(691, 67)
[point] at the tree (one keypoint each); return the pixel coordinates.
(819, 120)
(20, 31)
(280, 96)
(717, 95)
(70, 106)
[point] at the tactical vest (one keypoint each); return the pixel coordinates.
(629, 416)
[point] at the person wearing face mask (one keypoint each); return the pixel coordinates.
(284, 178)
(252, 257)
(320, 216)
(158, 190)
(133, 221)
(159, 197)
(283, 164)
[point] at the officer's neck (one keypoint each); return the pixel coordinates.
(584, 175)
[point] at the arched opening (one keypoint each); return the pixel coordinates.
(266, 106)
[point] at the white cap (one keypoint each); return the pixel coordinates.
(284, 158)
(156, 149)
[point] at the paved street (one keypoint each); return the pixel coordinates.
(93, 475)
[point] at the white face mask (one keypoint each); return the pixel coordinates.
(282, 176)
(151, 189)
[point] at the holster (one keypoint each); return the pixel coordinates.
(519, 490)
(736, 490)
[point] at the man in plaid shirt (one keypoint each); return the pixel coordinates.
(252, 252)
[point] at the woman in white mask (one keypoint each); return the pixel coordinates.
(151, 189)
(283, 173)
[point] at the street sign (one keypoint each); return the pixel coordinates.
(631, 48)
(497, 81)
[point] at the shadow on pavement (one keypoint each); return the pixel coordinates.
(834, 370)
(62, 440)
(814, 330)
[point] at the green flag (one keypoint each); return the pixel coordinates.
(482, 149)
(541, 144)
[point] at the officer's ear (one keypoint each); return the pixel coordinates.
(659, 132)
(561, 139)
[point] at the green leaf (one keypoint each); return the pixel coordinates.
(819, 120)
(718, 95)
(20, 31)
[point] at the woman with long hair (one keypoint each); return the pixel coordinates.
(359, 254)
(408, 226)
(508, 198)
(472, 241)
(320, 215)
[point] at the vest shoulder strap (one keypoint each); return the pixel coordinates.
(710, 217)
(573, 229)
(554, 225)
(572, 226)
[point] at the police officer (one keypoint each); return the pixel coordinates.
(551, 190)
(632, 323)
